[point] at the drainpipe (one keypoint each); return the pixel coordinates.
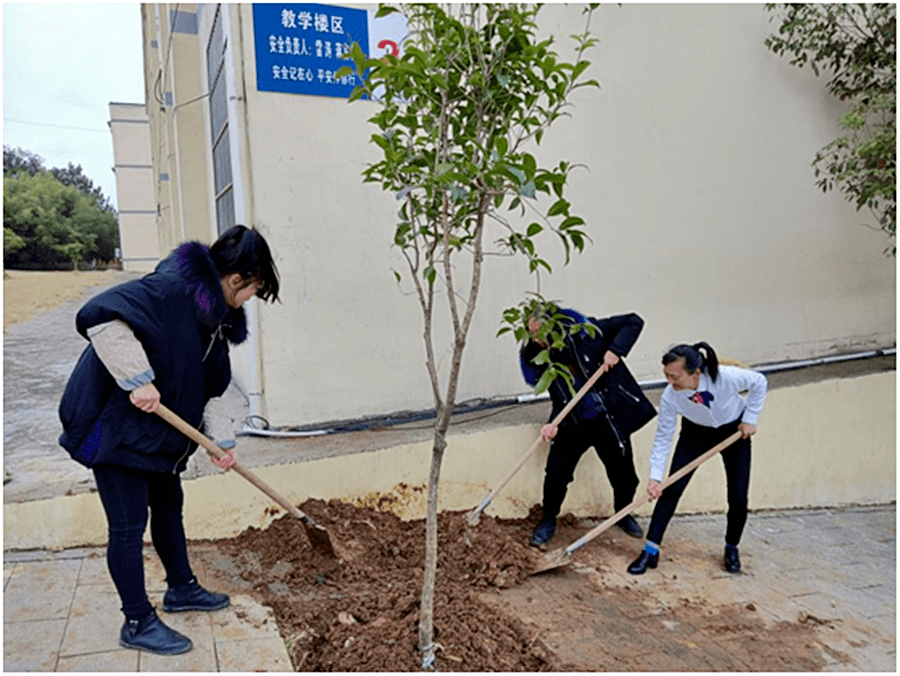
(240, 185)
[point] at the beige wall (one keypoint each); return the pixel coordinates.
(133, 169)
(176, 108)
(823, 444)
(699, 196)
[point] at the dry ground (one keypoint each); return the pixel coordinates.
(29, 292)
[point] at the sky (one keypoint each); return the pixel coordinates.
(62, 66)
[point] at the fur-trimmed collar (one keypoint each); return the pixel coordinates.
(191, 261)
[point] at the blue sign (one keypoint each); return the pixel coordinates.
(299, 47)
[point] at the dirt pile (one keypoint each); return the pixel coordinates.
(362, 614)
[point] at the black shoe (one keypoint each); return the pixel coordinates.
(630, 525)
(192, 596)
(643, 562)
(150, 634)
(544, 531)
(732, 561)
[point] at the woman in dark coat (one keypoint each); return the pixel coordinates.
(162, 338)
(605, 418)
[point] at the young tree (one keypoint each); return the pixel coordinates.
(858, 44)
(460, 112)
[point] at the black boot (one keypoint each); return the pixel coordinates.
(630, 525)
(732, 561)
(543, 532)
(192, 596)
(646, 560)
(150, 634)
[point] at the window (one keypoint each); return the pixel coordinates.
(218, 118)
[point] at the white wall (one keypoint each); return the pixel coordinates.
(699, 196)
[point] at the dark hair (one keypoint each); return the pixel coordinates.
(244, 251)
(694, 358)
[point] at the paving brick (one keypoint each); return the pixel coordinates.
(118, 661)
(32, 646)
(264, 654)
(95, 622)
(40, 591)
(243, 620)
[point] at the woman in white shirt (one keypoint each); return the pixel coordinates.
(708, 398)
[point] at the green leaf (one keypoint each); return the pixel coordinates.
(430, 274)
(544, 382)
(542, 357)
(533, 229)
(529, 164)
(385, 10)
(561, 206)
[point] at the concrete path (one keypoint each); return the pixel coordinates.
(835, 568)
(38, 356)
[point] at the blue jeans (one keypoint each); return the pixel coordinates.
(127, 494)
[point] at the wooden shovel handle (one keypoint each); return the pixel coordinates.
(537, 442)
(688, 468)
(195, 435)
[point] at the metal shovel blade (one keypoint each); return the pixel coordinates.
(319, 538)
(555, 559)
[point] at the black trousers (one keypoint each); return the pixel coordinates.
(568, 447)
(127, 494)
(693, 442)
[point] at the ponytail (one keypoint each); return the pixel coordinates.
(697, 356)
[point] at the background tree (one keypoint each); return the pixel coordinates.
(60, 227)
(460, 112)
(74, 175)
(857, 44)
(54, 218)
(17, 161)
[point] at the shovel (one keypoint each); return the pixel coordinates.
(562, 557)
(474, 516)
(318, 536)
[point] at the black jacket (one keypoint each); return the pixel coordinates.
(180, 316)
(618, 395)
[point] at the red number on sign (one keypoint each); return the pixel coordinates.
(389, 46)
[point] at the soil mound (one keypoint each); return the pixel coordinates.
(362, 614)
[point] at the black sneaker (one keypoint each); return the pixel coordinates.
(544, 531)
(151, 635)
(192, 596)
(630, 525)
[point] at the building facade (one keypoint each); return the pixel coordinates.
(697, 190)
(135, 187)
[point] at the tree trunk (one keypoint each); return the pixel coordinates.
(426, 609)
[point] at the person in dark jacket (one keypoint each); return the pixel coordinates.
(162, 338)
(605, 417)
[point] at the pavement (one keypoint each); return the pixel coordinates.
(832, 568)
(61, 613)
